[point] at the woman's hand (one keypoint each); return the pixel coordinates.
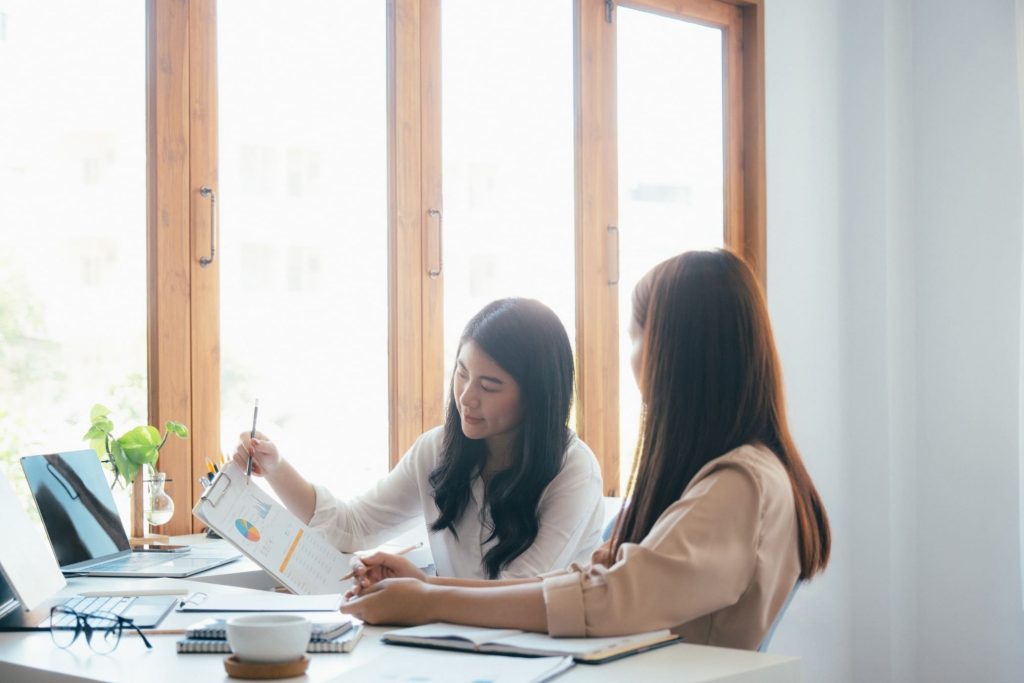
(603, 555)
(373, 569)
(405, 602)
(265, 458)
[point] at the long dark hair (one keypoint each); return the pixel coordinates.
(529, 342)
(711, 382)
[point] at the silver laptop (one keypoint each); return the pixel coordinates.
(83, 526)
(30, 577)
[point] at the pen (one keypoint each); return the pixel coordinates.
(252, 435)
(403, 551)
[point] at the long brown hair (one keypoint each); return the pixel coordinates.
(711, 382)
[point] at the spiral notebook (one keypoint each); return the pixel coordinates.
(343, 643)
(216, 629)
(299, 557)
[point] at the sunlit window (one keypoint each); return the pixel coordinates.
(303, 211)
(72, 222)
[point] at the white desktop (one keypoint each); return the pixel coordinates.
(33, 656)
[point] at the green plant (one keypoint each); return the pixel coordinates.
(133, 449)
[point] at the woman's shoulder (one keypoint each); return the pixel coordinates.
(756, 461)
(579, 458)
(426, 450)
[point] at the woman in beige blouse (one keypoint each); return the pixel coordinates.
(723, 518)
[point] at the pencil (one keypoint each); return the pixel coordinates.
(252, 435)
(403, 551)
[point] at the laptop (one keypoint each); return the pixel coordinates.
(85, 531)
(30, 578)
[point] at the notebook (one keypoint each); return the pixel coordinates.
(30, 578)
(343, 643)
(514, 642)
(216, 629)
(84, 528)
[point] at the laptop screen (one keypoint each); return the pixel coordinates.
(76, 506)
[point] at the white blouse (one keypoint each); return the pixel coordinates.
(570, 514)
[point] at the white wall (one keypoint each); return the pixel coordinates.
(967, 198)
(804, 285)
(894, 255)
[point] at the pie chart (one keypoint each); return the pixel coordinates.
(246, 528)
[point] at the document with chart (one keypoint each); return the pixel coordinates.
(265, 531)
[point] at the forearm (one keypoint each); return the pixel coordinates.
(478, 583)
(513, 605)
(297, 494)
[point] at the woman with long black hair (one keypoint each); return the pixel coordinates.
(506, 488)
(723, 519)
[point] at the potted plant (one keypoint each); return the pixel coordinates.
(132, 450)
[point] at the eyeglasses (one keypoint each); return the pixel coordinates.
(102, 629)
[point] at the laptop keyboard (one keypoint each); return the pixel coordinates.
(88, 605)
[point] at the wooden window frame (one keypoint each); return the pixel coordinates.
(597, 314)
(183, 297)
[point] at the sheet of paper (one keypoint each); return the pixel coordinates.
(245, 515)
(477, 635)
(259, 601)
(406, 665)
(578, 646)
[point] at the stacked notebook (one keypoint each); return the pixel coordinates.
(523, 644)
(210, 637)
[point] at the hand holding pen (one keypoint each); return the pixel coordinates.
(370, 569)
(265, 458)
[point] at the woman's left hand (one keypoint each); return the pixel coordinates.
(405, 602)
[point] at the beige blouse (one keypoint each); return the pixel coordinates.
(716, 567)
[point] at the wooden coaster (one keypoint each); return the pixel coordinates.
(239, 669)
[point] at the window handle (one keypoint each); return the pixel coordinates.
(613, 266)
(435, 272)
(207, 191)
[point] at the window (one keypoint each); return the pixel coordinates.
(303, 233)
(507, 146)
(73, 211)
(352, 151)
(671, 154)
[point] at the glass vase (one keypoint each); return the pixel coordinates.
(159, 506)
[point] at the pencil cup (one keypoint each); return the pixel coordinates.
(268, 637)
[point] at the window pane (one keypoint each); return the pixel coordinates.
(670, 163)
(73, 217)
(303, 191)
(507, 127)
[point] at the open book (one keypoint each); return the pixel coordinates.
(513, 642)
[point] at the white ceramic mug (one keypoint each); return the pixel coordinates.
(268, 637)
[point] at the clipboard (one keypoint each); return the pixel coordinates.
(301, 558)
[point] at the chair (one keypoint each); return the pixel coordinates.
(612, 508)
(763, 647)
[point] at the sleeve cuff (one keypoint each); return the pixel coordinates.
(553, 572)
(323, 507)
(563, 601)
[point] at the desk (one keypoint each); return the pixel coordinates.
(32, 657)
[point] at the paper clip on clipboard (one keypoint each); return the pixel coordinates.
(219, 486)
